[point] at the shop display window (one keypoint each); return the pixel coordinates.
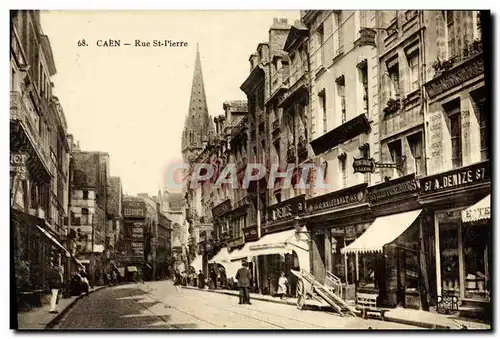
(475, 240)
(448, 243)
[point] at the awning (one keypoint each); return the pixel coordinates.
(232, 267)
(479, 211)
(382, 231)
(275, 243)
(78, 262)
(221, 257)
(197, 263)
(54, 240)
(132, 269)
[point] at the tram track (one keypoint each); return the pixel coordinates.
(231, 309)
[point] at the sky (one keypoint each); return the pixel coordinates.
(132, 101)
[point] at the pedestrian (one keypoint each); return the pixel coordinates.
(177, 280)
(85, 281)
(282, 286)
(55, 280)
(243, 276)
(201, 280)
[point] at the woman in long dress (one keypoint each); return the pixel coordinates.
(282, 286)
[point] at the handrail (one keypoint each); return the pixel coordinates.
(334, 281)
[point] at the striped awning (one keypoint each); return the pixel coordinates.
(55, 241)
(381, 232)
(479, 211)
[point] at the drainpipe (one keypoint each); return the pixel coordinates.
(423, 79)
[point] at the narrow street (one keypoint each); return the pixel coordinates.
(159, 305)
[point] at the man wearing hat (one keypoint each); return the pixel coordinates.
(243, 276)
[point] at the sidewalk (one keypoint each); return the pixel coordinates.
(406, 316)
(40, 318)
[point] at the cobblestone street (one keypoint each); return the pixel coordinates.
(159, 305)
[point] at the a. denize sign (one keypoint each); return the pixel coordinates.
(457, 178)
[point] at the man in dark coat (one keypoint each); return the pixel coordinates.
(201, 280)
(243, 276)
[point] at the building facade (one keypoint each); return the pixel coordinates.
(89, 199)
(132, 243)
(39, 155)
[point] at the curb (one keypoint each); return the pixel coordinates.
(284, 302)
(65, 311)
(326, 308)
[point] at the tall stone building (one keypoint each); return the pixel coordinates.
(198, 125)
(89, 198)
(198, 130)
(39, 154)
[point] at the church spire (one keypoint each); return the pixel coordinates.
(198, 125)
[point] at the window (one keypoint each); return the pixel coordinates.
(453, 111)
(415, 143)
(479, 103)
(396, 153)
(85, 195)
(85, 217)
(364, 83)
(341, 94)
(393, 70)
(450, 23)
(320, 33)
(340, 43)
(413, 68)
(322, 105)
(343, 168)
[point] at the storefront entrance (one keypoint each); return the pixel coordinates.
(464, 257)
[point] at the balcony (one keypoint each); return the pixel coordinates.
(296, 73)
(367, 37)
(399, 120)
(280, 80)
(457, 70)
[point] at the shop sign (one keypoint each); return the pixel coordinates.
(353, 195)
(137, 248)
(480, 213)
(251, 233)
(267, 246)
(457, 178)
(222, 208)
(134, 209)
(393, 188)
(287, 209)
(236, 242)
(138, 230)
(363, 165)
(18, 164)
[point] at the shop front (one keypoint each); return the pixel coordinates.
(461, 206)
(394, 253)
(335, 220)
(284, 246)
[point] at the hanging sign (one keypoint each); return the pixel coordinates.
(363, 165)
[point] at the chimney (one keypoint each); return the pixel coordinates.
(254, 60)
(229, 116)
